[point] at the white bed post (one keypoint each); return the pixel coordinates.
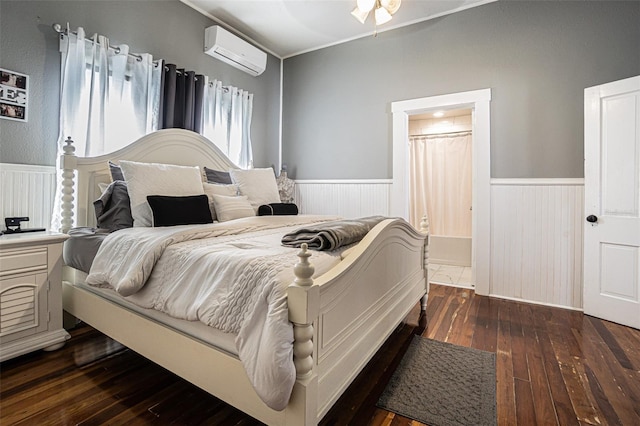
(303, 300)
(68, 164)
(424, 228)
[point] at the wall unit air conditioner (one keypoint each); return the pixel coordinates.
(229, 48)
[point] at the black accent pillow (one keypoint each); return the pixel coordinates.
(116, 171)
(278, 209)
(216, 176)
(113, 208)
(184, 210)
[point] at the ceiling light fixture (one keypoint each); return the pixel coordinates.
(438, 114)
(383, 9)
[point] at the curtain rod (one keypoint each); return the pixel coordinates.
(179, 72)
(58, 28)
(458, 133)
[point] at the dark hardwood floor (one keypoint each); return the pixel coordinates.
(554, 366)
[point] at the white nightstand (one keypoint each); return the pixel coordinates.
(31, 293)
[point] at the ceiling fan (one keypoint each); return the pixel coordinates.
(383, 9)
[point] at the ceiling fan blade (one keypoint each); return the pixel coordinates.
(392, 6)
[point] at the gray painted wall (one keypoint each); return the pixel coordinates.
(536, 56)
(166, 29)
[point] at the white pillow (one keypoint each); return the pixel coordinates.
(157, 179)
(259, 185)
(212, 189)
(229, 208)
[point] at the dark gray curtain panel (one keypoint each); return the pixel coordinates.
(181, 99)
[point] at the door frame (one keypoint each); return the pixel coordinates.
(479, 101)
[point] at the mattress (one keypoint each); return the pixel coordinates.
(195, 329)
(79, 253)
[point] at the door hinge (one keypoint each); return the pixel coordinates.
(48, 316)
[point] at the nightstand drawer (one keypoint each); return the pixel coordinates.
(24, 260)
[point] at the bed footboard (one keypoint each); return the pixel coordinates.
(351, 310)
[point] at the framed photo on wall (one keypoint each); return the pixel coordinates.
(14, 95)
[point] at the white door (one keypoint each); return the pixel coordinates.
(612, 201)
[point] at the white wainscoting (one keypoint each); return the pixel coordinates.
(536, 240)
(536, 231)
(347, 198)
(27, 190)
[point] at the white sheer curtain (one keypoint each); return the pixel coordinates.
(440, 183)
(227, 114)
(108, 98)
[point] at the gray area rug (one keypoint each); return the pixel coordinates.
(440, 384)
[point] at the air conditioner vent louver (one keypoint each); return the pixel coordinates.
(221, 44)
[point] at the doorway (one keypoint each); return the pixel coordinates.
(478, 101)
(440, 152)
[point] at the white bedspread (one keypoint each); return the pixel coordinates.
(232, 276)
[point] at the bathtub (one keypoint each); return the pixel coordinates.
(454, 251)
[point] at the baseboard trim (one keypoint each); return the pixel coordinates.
(535, 302)
(538, 182)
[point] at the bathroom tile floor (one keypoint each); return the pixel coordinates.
(459, 276)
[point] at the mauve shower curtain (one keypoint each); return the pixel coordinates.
(440, 183)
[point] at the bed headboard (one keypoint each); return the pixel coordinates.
(82, 175)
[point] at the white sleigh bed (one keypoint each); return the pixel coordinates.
(340, 319)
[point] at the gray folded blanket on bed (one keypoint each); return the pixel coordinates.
(332, 235)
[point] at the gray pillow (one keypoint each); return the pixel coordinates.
(216, 176)
(113, 208)
(116, 171)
